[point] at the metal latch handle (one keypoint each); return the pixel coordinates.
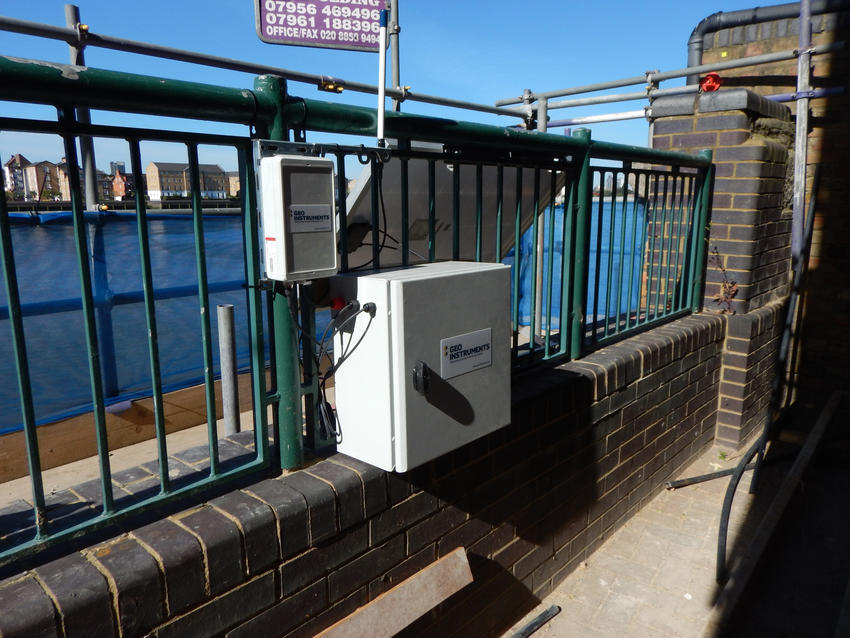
(421, 378)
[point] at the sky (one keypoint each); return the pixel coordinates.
(474, 50)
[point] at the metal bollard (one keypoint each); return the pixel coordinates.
(227, 358)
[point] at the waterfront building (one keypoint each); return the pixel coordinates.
(42, 181)
(123, 186)
(170, 179)
(104, 182)
(233, 183)
(13, 173)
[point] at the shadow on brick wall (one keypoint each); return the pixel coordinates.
(821, 360)
(536, 475)
(523, 501)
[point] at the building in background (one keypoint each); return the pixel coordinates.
(13, 174)
(233, 184)
(123, 186)
(104, 183)
(169, 179)
(42, 181)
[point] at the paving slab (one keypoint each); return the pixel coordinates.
(655, 576)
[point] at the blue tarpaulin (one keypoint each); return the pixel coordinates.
(628, 228)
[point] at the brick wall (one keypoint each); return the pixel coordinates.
(748, 372)
(749, 236)
(589, 443)
(825, 329)
(748, 249)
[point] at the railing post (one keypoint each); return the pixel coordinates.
(16, 321)
(250, 222)
(289, 438)
(700, 231)
(150, 315)
(204, 307)
(579, 284)
(66, 119)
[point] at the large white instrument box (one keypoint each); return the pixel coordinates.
(431, 371)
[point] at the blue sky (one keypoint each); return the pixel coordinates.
(475, 50)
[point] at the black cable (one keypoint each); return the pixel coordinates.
(327, 421)
(327, 417)
(345, 352)
(303, 332)
(326, 412)
(410, 250)
(337, 329)
(384, 233)
(320, 343)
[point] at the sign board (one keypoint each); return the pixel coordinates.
(331, 24)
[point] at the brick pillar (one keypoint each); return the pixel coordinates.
(748, 261)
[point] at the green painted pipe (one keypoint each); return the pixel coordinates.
(291, 446)
(329, 117)
(49, 83)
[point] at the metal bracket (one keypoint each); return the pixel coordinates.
(331, 85)
(651, 84)
(528, 100)
(82, 31)
(812, 50)
(405, 90)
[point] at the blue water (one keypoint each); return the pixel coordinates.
(46, 264)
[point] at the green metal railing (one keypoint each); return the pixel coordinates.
(647, 236)
(47, 528)
(475, 196)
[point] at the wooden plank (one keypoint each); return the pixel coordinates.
(395, 609)
(73, 438)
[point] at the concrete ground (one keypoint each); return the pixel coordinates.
(655, 576)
